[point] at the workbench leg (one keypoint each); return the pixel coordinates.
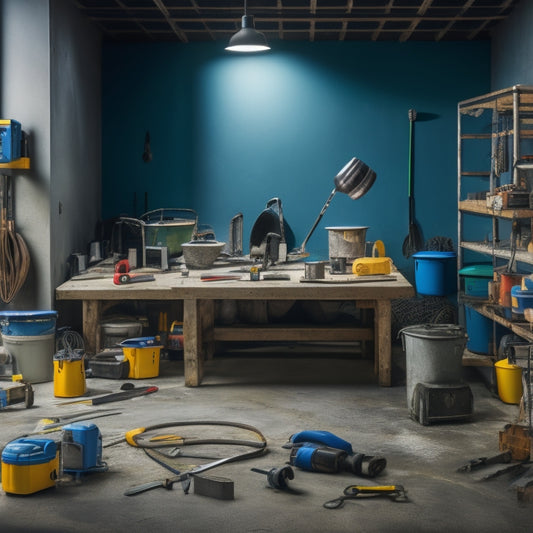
(207, 314)
(91, 310)
(198, 325)
(382, 341)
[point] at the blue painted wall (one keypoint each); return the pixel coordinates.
(229, 132)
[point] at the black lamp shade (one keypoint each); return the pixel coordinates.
(248, 39)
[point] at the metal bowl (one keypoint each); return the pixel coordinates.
(201, 254)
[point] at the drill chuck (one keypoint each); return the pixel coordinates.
(324, 459)
(313, 458)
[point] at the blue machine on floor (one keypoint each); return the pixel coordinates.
(81, 449)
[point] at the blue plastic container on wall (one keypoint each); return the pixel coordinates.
(28, 323)
(435, 273)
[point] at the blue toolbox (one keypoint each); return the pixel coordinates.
(10, 140)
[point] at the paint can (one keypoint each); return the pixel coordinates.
(314, 269)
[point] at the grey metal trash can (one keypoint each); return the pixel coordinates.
(433, 354)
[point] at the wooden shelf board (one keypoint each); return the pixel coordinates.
(474, 359)
(479, 207)
(522, 256)
(23, 163)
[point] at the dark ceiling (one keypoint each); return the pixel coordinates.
(297, 20)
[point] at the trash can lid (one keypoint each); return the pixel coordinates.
(140, 342)
(28, 314)
(434, 331)
(478, 271)
(434, 255)
(26, 451)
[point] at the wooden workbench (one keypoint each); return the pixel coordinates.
(198, 297)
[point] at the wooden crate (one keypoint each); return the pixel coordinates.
(516, 439)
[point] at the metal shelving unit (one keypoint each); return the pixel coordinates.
(495, 177)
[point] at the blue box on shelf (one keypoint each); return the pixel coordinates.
(10, 140)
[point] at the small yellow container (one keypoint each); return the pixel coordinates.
(509, 380)
(29, 465)
(143, 357)
(367, 266)
(69, 378)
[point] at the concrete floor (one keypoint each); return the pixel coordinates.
(280, 395)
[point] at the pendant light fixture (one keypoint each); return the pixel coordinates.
(248, 39)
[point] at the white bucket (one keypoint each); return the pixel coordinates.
(33, 356)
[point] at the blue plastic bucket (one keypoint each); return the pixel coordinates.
(28, 323)
(482, 338)
(435, 273)
(520, 299)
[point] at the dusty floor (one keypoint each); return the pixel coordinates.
(280, 395)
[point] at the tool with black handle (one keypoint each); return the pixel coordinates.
(116, 396)
(413, 242)
(473, 464)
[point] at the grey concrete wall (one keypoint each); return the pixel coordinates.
(75, 113)
(50, 60)
(512, 49)
(25, 38)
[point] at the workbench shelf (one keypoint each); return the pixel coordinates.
(494, 184)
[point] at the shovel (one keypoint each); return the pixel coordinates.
(413, 242)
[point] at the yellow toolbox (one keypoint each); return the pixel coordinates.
(143, 356)
(29, 465)
(368, 266)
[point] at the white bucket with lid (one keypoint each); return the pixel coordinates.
(33, 356)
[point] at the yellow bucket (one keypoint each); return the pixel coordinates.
(509, 379)
(144, 362)
(69, 378)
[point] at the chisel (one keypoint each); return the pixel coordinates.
(116, 396)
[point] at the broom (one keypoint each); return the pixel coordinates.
(413, 242)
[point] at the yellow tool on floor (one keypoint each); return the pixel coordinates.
(396, 492)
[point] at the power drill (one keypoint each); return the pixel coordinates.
(321, 451)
